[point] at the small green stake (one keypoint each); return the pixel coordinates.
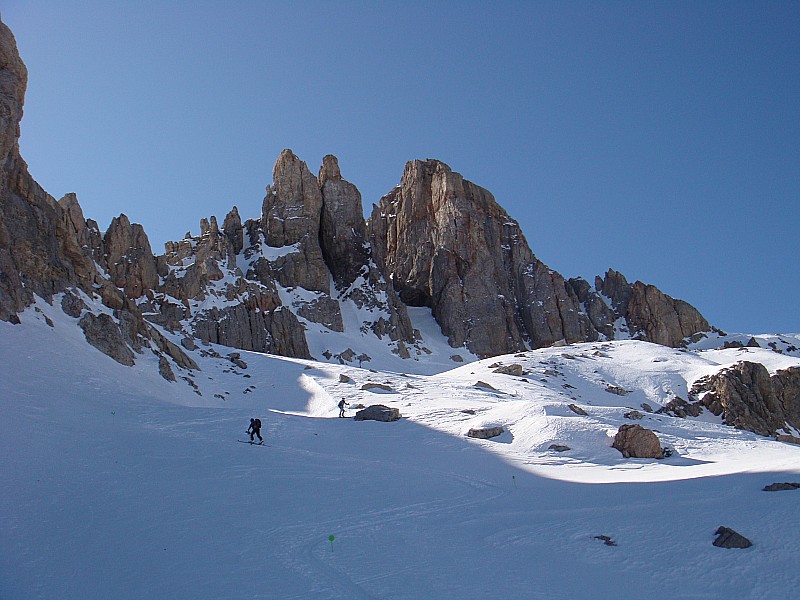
(330, 539)
(514, 479)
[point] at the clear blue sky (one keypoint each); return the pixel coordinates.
(659, 139)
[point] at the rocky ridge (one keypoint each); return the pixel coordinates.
(436, 241)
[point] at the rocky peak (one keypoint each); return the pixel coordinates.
(660, 318)
(232, 226)
(290, 215)
(342, 233)
(292, 206)
(128, 258)
(447, 244)
(616, 288)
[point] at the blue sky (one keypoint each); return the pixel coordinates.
(658, 139)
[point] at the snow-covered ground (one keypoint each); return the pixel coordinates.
(119, 484)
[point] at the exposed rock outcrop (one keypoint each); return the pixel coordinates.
(103, 333)
(662, 319)
(649, 313)
(128, 259)
(291, 215)
(342, 231)
(747, 397)
(446, 244)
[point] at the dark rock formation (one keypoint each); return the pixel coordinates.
(485, 433)
(233, 230)
(748, 398)
(446, 244)
(342, 231)
(578, 410)
(72, 304)
(164, 369)
(559, 447)
(728, 538)
(633, 415)
(103, 333)
(378, 412)
(781, 487)
(608, 541)
(678, 407)
(634, 441)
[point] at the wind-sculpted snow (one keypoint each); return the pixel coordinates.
(119, 483)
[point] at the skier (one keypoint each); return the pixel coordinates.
(255, 429)
(341, 405)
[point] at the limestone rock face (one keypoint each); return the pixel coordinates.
(39, 252)
(661, 318)
(448, 245)
(747, 397)
(342, 228)
(128, 258)
(635, 441)
(291, 215)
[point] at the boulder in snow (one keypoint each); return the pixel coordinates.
(484, 433)
(728, 538)
(634, 441)
(516, 370)
(781, 487)
(378, 412)
(578, 410)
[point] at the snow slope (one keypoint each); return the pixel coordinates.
(119, 484)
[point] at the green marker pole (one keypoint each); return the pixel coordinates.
(514, 479)
(330, 539)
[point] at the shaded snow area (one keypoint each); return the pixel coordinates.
(119, 484)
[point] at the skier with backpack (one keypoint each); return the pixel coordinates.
(341, 406)
(255, 429)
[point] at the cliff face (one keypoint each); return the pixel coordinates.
(39, 253)
(436, 240)
(446, 244)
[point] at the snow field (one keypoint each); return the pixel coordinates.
(118, 483)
